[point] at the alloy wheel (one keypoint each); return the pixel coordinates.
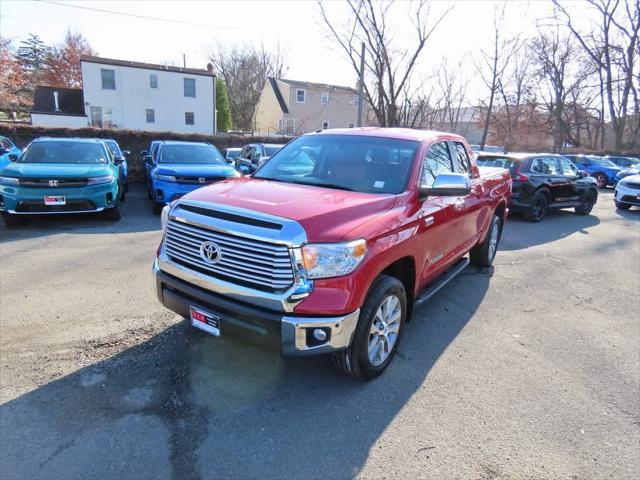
(384, 330)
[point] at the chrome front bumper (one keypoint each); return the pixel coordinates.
(292, 335)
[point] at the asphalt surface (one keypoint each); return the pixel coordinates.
(532, 372)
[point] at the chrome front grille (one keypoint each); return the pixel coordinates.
(257, 264)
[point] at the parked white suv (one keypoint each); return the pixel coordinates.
(627, 192)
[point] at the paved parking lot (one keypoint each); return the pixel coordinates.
(530, 373)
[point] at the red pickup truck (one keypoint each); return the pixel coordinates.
(328, 245)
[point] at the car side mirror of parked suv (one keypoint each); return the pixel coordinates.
(148, 159)
(447, 185)
(582, 174)
(12, 157)
(126, 153)
(118, 160)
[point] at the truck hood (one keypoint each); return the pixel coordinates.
(327, 215)
(55, 170)
(196, 170)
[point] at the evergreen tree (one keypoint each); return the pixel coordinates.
(222, 105)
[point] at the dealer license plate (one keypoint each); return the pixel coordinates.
(57, 200)
(206, 321)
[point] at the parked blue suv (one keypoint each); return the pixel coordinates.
(7, 147)
(180, 167)
(603, 170)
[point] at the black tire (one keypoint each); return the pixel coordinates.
(113, 213)
(602, 180)
(587, 205)
(11, 220)
(123, 194)
(538, 208)
(126, 186)
(354, 361)
(157, 208)
(482, 254)
(622, 206)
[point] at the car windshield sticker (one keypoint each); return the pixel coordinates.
(379, 184)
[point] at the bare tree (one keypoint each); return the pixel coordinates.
(245, 70)
(388, 67)
(612, 44)
(494, 64)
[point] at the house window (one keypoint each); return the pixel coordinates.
(151, 115)
(189, 118)
(325, 125)
(96, 116)
(153, 80)
(190, 87)
(108, 79)
(324, 98)
(301, 95)
(351, 125)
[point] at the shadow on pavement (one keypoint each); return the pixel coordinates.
(184, 405)
(519, 234)
(137, 216)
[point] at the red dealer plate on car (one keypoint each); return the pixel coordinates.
(54, 200)
(206, 321)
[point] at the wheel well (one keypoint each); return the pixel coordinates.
(404, 269)
(500, 210)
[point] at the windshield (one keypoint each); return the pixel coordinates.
(497, 162)
(113, 146)
(64, 152)
(194, 154)
(233, 153)
(348, 162)
(271, 150)
(602, 162)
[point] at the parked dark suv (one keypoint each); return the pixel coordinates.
(543, 181)
(254, 155)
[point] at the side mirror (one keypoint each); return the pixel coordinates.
(12, 157)
(118, 160)
(143, 153)
(447, 185)
(582, 174)
(148, 159)
(126, 153)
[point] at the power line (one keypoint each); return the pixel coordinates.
(125, 14)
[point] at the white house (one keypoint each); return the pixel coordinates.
(143, 96)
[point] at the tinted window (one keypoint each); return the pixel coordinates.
(271, 150)
(64, 152)
(496, 162)
(190, 154)
(602, 162)
(580, 161)
(108, 79)
(568, 168)
(189, 87)
(546, 166)
(349, 162)
(114, 148)
(462, 159)
(6, 143)
(437, 161)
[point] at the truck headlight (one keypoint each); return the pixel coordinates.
(14, 182)
(100, 180)
(325, 260)
(165, 178)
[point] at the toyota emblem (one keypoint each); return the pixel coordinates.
(210, 252)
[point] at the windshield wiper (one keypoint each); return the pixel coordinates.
(325, 185)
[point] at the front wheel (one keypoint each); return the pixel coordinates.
(587, 205)
(378, 332)
(482, 254)
(11, 220)
(113, 213)
(622, 206)
(601, 179)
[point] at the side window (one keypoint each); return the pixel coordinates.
(546, 166)
(461, 158)
(437, 161)
(245, 152)
(580, 161)
(568, 168)
(108, 78)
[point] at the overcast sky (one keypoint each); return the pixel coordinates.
(193, 26)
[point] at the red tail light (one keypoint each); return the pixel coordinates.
(518, 176)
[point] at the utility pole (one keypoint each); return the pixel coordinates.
(361, 89)
(184, 60)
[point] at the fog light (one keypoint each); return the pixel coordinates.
(319, 334)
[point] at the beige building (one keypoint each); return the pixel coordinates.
(292, 108)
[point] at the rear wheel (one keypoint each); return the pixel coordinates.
(11, 220)
(622, 206)
(538, 208)
(482, 255)
(601, 178)
(378, 332)
(587, 205)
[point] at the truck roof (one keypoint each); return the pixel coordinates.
(399, 133)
